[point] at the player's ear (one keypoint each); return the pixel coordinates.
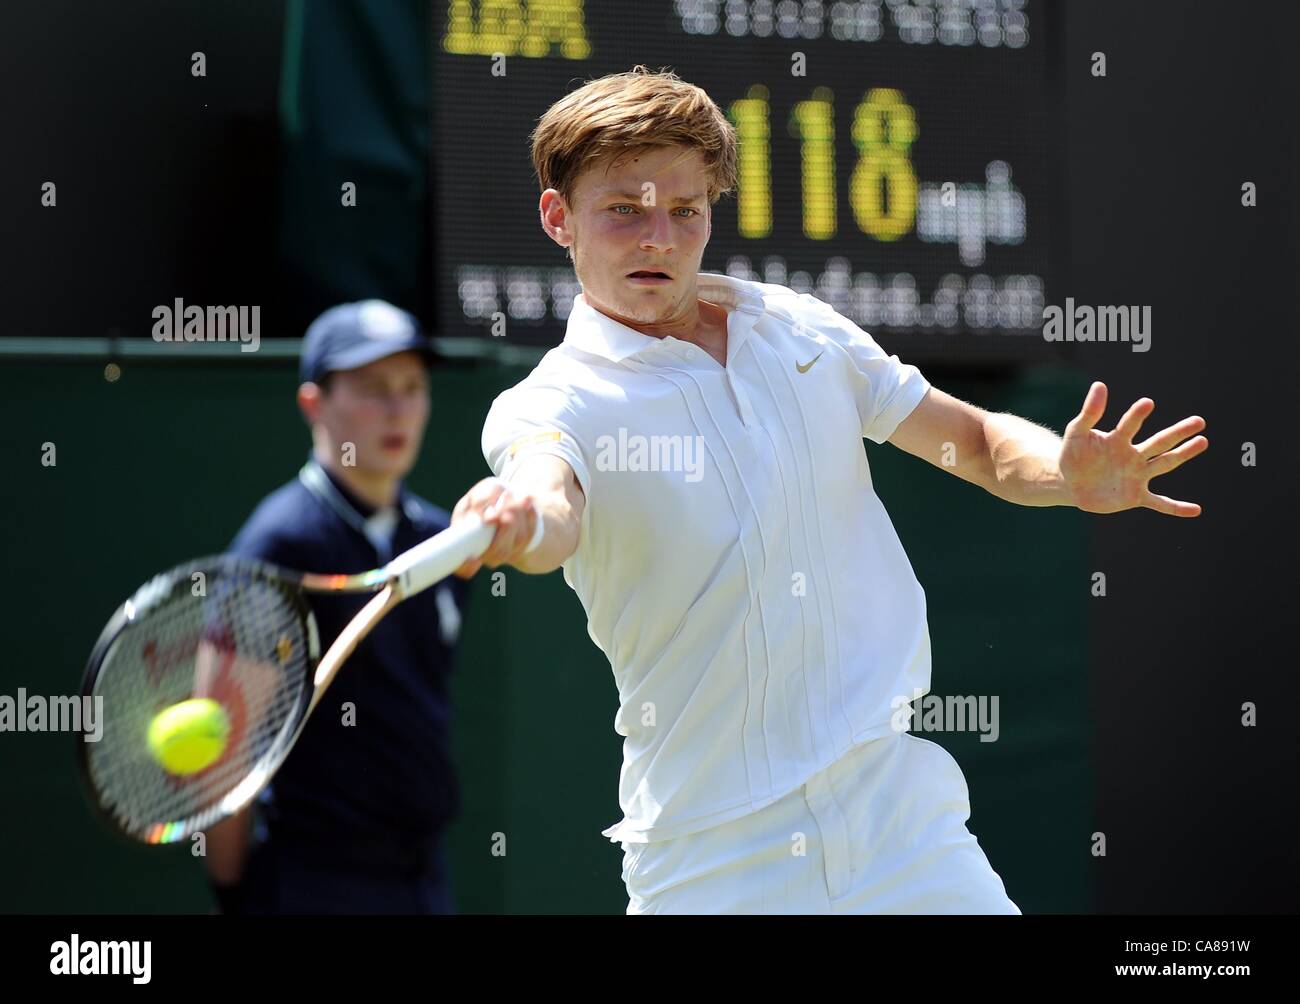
(555, 217)
(309, 401)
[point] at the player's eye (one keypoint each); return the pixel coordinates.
(686, 210)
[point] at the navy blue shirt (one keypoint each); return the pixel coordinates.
(389, 776)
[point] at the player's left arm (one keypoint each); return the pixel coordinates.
(1027, 464)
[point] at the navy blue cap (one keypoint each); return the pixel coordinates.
(354, 334)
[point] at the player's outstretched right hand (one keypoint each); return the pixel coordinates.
(512, 513)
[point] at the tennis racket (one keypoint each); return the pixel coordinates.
(239, 632)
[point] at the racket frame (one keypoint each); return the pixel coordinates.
(407, 574)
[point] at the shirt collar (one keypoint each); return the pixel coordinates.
(599, 334)
(360, 515)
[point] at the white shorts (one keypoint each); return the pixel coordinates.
(881, 830)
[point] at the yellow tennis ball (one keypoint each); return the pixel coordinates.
(190, 736)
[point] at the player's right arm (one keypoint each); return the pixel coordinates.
(548, 479)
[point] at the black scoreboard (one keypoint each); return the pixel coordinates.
(897, 158)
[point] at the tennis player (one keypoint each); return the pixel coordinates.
(693, 450)
(353, 822)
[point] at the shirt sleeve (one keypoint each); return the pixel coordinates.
(885, 388)
(258, 541)
(528, 421)
(270, 534)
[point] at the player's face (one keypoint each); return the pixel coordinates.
(647, 212)
(382, 408)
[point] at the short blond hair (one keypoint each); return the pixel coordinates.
(627, 113)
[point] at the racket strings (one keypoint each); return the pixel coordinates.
(243, 643)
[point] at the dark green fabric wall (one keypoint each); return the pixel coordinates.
(165, 463)
(354, 107)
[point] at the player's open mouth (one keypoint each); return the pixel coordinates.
(648, 278)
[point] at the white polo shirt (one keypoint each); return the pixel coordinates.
(735, 563)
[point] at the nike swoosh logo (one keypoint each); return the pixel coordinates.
(805, 367)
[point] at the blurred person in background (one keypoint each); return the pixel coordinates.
(354, 820)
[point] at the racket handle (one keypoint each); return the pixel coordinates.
(434, 559)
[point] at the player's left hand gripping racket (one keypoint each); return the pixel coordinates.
(240, 634)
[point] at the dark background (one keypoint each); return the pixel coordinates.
(1120, 714)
